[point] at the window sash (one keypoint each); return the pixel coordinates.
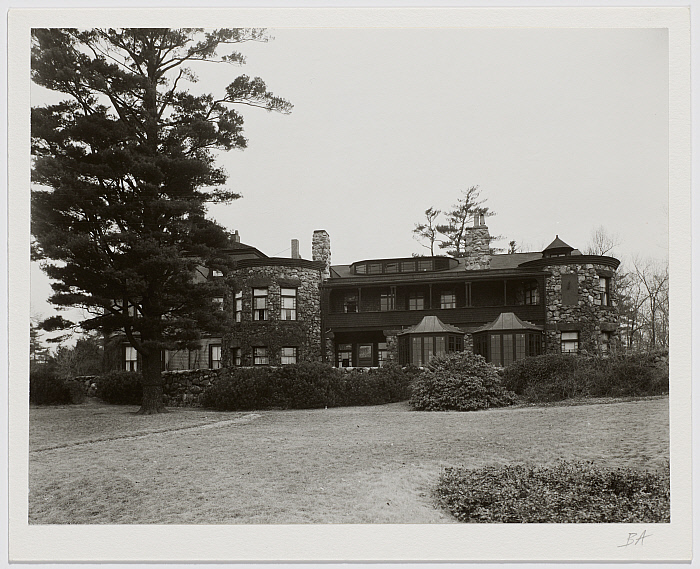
(214, 356)
(288, 355)
(448, 300)
(260, 356)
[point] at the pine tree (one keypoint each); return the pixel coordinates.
(124, 169)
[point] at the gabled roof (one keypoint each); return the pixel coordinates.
(508, 321)
(558, 244)
(431, 325)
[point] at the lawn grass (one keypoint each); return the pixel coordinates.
(101, 464)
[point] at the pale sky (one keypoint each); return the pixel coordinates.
(564, 130)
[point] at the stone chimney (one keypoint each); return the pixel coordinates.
(321, 250)
(477, 245)
(295, 249)
(236, 237)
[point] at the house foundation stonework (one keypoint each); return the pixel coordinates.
(407, 310)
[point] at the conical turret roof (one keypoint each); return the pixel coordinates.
(558, 244)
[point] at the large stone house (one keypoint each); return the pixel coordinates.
(503, 306)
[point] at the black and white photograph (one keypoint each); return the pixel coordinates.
(303, 284)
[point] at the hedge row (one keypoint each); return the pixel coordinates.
(568, 492)
(306, 386)
(558, 377)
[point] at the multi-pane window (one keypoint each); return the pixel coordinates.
(569, 342)
(288, 355)
(214, 356)
(216, 273)
(344, 355)
(532, 293)
(236, 356)
(604, 286)
(260, 304)
(496, 356)
(448, 299)
(382, 353)
(416, 301)
(260, 357)
(350, 302)
(289, 303)
(238, 310)
(387, 300)
(534, 344)
(218, 302)
(130, 359)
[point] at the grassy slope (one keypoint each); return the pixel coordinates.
(345, 465)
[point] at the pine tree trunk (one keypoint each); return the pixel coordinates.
(152, 401)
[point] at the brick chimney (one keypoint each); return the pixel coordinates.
(321, 250)
(295, 249)
(236, 237)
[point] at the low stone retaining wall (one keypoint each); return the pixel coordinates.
(184, 388)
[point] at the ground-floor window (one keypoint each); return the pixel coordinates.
(365, 356)
(344, 355)
(214, 356)
(382, 353)
(605, 343)
(130, 358)
(420, 349)
(569, 342)
(260, 357)
(288, 355)
(236, 356)
(504, 348)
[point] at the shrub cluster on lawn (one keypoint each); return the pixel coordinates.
(306, 386)
(568, 492)
(564, 376)
(47, 388)
(461, 381)
(120, 388)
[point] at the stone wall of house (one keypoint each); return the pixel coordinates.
(477, 248)
(304, 333)
(586, 316)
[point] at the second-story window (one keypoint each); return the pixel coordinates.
(289, 303)
(387, 300)
(532, 293)
(448, 299)
(218, 302)
(604, 286)
(416, 301)
(350, 302)
(260, 304)
(238, 310)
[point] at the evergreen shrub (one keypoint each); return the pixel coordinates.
(120, 388)
(46, 388)
(461, 381)
(567, 492)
